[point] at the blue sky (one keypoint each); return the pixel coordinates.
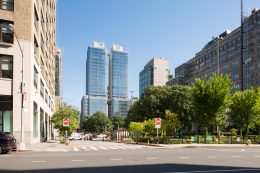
(175, 29)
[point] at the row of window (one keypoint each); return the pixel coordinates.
(7, 5)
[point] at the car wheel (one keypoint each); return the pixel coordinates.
(1, 150)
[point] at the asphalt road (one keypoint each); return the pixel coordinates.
(150, 160)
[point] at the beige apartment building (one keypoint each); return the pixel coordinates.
(27, 68)
(155, 73)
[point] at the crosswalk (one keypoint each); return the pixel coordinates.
(97, 148)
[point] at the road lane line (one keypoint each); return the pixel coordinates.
(121, 147)
(257, 156)
(212, 157)
(151, 158)
(112, 147)
(236, 156)
(38, 161)
(103, 148)
(184, 157)
(93, 148)
(75, 149)
(77, 160)
(115, 159)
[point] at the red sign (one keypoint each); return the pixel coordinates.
(157, 121)
(66, 122)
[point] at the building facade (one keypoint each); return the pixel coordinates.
(96, 91)
(118, 102)
(223, 55)
(27, 68)
(155, 73)
(58, 78)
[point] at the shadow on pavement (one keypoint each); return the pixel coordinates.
(151, 168)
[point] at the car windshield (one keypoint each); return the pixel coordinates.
(7, 135)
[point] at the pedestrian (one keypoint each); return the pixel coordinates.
(248, 142)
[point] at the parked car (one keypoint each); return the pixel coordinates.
(7, 142)
(75, 136)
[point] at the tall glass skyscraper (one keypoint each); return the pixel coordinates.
(96, 98)
(118, 82)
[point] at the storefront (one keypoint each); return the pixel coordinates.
(6, 113)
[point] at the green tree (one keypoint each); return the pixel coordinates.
(67, 111)
(118, 120)
(136, 129)
(170, 122)
(245, 109)
(97, 123)
(156, 99)
(149, 127)
(211, 99)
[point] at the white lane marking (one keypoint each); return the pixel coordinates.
(112, 147)
(114, 159)
(104, 148)
(38, 161)
(257, 156)
(93, 148)
(212, 157)
(131, 147)
(184, 157)
(228, 170)
(151, 158)
(84, 148)
(77, 160)
(75, 149)
(121, 147)
(236, 156)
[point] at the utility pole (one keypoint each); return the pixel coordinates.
(242, 46)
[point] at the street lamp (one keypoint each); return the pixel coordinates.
(117, 134)
(22, 144)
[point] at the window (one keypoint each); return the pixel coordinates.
(6, 35)
(42, 89)
(6, 66)
(46, 96)
(35, 78)
(35, 120)
(7, 5)
(36, 18)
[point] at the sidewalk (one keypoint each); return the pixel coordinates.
(45, 146)
(209, 145)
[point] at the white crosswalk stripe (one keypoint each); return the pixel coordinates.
(103, 148)
(87, 148)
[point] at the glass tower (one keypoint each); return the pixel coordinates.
(96, 98)
(118, 82)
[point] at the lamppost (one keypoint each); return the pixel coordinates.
(117, 134)
(22, 144)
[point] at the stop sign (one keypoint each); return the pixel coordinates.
(66, 121)
(157, 121)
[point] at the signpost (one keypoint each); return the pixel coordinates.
(66, 123)
(157, 123)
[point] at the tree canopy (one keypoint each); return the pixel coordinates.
(245, 109)
(211, 98)
(97, 123)
(67, 111)
(156, 99)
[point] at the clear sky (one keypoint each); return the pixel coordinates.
(175, 29)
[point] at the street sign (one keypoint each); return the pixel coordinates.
(66, 122)
(157, 121)
(157, 126)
